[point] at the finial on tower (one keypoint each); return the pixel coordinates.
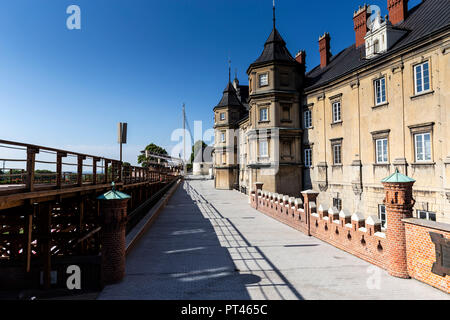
(274, 14)
(229, 70)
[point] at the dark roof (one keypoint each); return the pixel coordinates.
(274, 50)
(229, 97)
(423, 20)
(243, 94)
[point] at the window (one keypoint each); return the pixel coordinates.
(422, 77)
(376, 46)
(286, 113)
(427, 215)
(222, 137)
(337, 203)
(308, 119)
(422, 142)
(336, 112)
(337, 157)
(263, 79)
(382, 215)
(308, 158)
(381, 150)
(222, 116)
(263, 148)
(380, 91)
(224, 158)
(263, 114)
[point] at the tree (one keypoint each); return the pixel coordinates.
(152, 148)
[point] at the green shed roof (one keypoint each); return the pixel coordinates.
(113, 194)
(397, 177)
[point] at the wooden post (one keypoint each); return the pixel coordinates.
(94, 170)
(105, 179)
(29, 235)
(59, 157)
(80, 170)
(31, 158)
(45, 212)
(113, 171)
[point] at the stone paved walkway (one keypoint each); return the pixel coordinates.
(210, 244)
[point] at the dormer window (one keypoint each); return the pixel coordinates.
(382, 35)
(222, 116)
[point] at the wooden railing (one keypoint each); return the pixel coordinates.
(49, 216)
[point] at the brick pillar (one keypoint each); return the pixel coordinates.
(258, 186)
(114, 219)
(308, 197)
(399, 205)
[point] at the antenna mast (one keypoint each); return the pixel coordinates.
(184, 139)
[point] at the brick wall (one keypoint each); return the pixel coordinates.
(352, 233)
(421, 254)
(357, 235)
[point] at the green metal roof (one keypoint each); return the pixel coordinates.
(397, 177)
(113, 194)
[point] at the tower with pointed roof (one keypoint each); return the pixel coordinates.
(275, 134)
(227, 114)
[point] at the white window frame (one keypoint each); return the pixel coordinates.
(308, 158)
(335, 146)
(380, 91)
(422, 145)
(307, 115)
(266, 82)
(382, 145)
(263, 151)
(421, 81)
(266, 113)
(427, 215)
(381, 213)
(337, 115)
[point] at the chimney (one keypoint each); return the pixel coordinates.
(324, 47)
(301, 57)
(398, 9)
(360, 24)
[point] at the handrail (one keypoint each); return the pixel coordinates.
(112, 170)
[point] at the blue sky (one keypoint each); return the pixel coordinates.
(137, 61)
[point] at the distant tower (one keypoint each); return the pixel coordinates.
(226, 124)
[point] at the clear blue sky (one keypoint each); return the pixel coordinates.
(137, 61)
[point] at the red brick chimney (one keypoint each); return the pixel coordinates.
(398, 9)
(324, 47)
(360, 24)
(301, 57)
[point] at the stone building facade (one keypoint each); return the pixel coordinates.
(379, 105)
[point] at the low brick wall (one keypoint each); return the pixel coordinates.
(421, 253)
(352, 233)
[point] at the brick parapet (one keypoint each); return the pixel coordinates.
(352, 236)
(421, 252)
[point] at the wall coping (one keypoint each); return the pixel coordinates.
(428, 224)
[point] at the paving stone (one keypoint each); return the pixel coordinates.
(210, 244)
